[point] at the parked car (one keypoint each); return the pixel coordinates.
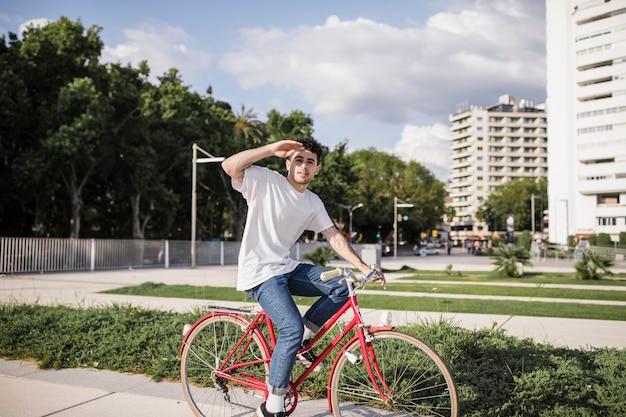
(427, 250)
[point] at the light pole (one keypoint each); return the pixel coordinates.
(395, 223)
(350, 210)
(532, 210)
(195, 160)
(566, 201)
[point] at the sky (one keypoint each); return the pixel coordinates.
(373, 74)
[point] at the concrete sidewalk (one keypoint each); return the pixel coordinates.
(26, 391)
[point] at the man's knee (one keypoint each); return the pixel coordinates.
(339, 293)
(291, 329)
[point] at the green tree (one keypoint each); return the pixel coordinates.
(514, 198)
(335, 182)
(19, 208)
(74, 146)
(176, 118)
(221, 209)
(382, 177)
(249, 128)
(67, 110)
(449, 213)
(294, 125)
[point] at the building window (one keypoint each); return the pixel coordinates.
(608, 198)
(607, 221)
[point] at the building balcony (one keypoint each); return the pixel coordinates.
(608, 184)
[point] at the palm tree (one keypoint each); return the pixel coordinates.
(510, 260)
(592, 266)
(248, 127)
(449, 212)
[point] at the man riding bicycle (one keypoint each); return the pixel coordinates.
(280, 209)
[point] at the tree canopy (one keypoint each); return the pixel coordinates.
(514, 199)
(92, 149)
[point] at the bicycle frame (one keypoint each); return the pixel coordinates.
(362, 333)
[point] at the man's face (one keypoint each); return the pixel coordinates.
(302, 167)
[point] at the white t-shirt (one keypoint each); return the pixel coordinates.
(277, 217)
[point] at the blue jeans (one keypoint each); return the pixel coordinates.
(275, 297)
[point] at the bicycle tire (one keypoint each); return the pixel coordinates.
(420, 382)
(205, 350)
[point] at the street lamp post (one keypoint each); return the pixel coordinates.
(395, 223)
(532, 211)
(195, 160)
(350, 210)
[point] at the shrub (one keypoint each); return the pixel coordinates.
(601, 239)
(510, 260)
(497, 375)
(320, 255)
(525, 239)
(592, 266)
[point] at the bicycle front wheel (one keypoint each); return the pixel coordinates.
(223, 373)
(413, 378)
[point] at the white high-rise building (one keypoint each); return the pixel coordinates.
(586, 104)
(490, 146)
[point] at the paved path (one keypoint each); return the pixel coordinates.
(26, 391)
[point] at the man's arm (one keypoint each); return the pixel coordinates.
(339, 243)
(236, 164)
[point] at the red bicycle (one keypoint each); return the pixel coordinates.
(376, 371)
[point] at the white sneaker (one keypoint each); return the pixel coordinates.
(307, 358)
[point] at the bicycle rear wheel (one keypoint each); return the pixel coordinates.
(418, 381)
(211, 357)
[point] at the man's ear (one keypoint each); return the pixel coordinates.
(317, 170)
(287, 163)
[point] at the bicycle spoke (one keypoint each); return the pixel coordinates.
(214, 380)
(415, 380)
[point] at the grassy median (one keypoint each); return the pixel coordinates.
(432, 296)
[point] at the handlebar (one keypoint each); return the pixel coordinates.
(348, 274)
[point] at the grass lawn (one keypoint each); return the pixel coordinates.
(426, 303)
(528, 278)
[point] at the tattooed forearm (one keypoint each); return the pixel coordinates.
(338, 242)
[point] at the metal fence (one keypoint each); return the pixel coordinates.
(27, 255)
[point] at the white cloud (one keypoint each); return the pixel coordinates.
(428, 145)
(163, 46)
(36, 23)
(372, 70)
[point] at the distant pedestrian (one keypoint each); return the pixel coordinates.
(449, 246)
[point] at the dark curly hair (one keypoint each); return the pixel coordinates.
(313, 146)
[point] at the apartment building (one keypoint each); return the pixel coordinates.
(491, 146)
(586, 99)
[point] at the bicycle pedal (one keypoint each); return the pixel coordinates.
(301, 359)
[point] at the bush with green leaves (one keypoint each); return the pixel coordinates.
(320, 255)
(497, 375)
(592, 266)
(601, 239)
(510, 260)
(525, 240)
